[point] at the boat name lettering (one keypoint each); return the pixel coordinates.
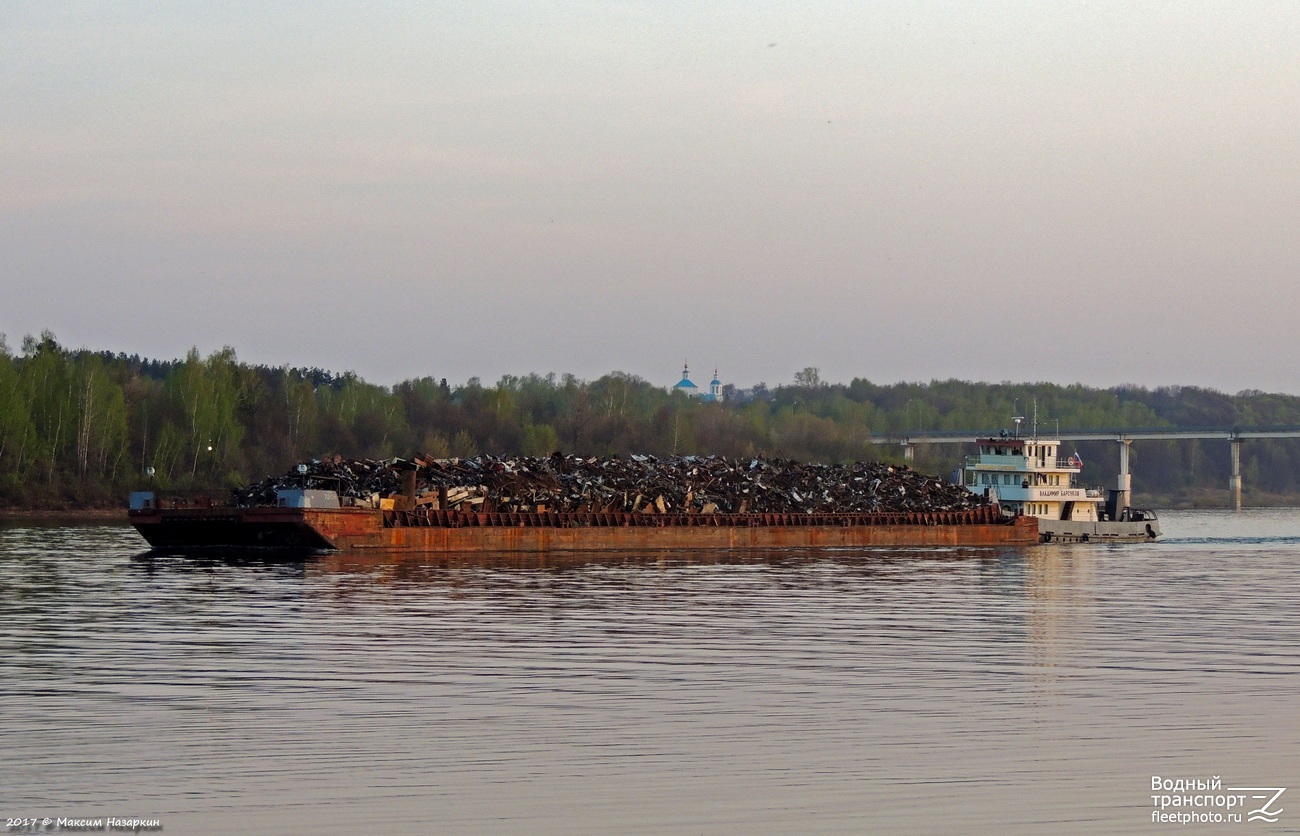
(1064, 493)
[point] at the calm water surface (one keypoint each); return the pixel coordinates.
(1011, 691)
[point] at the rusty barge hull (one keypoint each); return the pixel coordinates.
(347, 529)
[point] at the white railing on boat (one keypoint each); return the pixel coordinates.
(1025, 461)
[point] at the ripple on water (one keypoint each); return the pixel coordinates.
(918, 689)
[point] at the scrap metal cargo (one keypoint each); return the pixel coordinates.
(577, 503)
(638, 484)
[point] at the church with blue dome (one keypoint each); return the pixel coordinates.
(690, 390)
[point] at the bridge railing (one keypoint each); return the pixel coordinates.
(1094, 433)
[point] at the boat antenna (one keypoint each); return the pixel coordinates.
(1035, 417)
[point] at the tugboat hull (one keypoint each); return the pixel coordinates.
(1066, 531)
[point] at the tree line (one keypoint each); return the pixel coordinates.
(79, 427)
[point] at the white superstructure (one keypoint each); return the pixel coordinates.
(1029, 476)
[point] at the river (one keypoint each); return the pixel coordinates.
(1030, 690)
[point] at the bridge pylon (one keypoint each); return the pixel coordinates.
(1234, 481)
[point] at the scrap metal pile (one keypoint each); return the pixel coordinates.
(639, 484)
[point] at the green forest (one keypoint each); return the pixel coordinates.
(80, 428)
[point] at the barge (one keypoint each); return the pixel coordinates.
(315, 521)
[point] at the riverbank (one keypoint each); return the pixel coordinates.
(62, 516)
(1205, 499)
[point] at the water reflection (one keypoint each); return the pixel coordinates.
(153, 562)
(1059, 596)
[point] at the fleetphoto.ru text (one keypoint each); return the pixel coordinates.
(1207, 801)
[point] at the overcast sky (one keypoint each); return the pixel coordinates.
(1073, 192)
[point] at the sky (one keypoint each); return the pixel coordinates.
(1102, 192)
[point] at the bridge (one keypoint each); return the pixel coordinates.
(1124, 437)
